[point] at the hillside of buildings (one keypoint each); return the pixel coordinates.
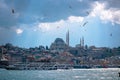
(61, 52)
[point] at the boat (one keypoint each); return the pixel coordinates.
(3, 63)
(38, 66)
(81, 66)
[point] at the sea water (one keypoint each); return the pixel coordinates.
(72, 74)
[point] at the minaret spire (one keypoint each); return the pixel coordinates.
(80, 42)
(83, 41)
(67, 38)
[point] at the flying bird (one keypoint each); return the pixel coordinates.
(111, 34)
(70, 6)
(13, 11)
(85, 23)
(87, 12)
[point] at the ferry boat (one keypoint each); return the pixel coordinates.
(38, 66)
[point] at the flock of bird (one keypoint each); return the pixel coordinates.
(84, 24)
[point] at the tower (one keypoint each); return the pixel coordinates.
(83, 41)
(67, 38)
(80, 42)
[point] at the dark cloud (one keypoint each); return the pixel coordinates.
(30, 11)
(111, 3)
(17, 5)
(7, 18)
(114, 3)
(53, 10)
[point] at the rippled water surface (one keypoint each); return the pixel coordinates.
(75, 74)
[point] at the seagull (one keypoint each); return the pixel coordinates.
(13, 11)
(85, 23)
(111, 34)
(87, 12)
(70, 6)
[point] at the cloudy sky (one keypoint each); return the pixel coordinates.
(30, 23)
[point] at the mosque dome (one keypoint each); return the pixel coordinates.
(59, 40)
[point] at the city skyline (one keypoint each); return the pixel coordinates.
(29, 23)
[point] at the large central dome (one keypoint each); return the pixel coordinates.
(58, 45)
(59, 40)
